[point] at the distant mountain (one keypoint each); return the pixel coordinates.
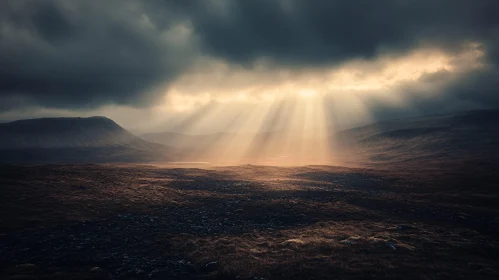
(94, 139)
(437, 139)
(469, 136)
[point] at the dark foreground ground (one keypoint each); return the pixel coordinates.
(248, 222)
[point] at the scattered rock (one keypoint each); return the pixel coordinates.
(293, 242)
(98, 273)
(391, 245)
(96, 270)
(351, 240)
(153, 273)
(210, 267)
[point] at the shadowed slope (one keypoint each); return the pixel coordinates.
(469, 136)
(94, 139)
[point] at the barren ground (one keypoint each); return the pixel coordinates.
(247, 222)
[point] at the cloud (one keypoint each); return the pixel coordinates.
(393, 79)
(301, 34)
(76, 54)
(306, 32)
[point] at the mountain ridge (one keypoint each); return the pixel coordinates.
(456, 136)
(75, 139)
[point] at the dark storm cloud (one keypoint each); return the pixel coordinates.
(302, 33)
(82, 54)
(306, 32)
(89, 53)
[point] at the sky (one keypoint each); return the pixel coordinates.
(204, 66)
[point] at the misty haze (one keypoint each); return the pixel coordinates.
(249, 139)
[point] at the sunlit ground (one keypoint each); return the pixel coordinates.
(246, 222)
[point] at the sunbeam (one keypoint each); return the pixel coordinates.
(263, 114)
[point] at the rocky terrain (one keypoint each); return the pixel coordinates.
(246, 222)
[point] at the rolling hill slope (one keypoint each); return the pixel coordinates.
(94, 139)
(469, 136)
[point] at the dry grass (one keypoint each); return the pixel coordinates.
(275, 223)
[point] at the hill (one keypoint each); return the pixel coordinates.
(94, 139)
(442, 139)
